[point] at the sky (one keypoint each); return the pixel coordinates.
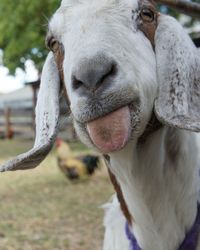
(10, 83)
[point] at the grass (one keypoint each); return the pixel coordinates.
(41, 210)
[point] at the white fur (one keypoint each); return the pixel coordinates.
(76, 27)
(161, 195)
(114, 222)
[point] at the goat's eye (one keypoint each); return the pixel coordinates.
(53, 44)
(147, 15)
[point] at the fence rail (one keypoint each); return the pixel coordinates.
(21, 123)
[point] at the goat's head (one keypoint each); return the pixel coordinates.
(118, 60)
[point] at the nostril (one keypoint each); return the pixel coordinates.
(111, 73)
(90, 74)
(76, 83)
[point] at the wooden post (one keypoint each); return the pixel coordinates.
(34, 104)
(34, 100)
(35, 88)
(8, 127)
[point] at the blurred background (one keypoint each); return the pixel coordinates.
(58, 205)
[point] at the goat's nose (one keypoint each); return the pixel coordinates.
(92, 73)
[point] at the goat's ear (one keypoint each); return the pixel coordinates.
(178, 74)
(47, 115)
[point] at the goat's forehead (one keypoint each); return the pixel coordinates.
(66, 3)
(68, 7)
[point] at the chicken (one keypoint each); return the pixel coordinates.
(75, 166)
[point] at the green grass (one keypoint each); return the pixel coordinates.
(41, 210)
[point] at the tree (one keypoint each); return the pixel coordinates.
(176, 7)
(188, 7)
(23, 25)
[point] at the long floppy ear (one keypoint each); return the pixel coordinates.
(47, 116)
(178, 74)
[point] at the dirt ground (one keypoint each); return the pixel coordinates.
(41, 210)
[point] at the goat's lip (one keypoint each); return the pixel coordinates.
(111, 132)
(97, 108)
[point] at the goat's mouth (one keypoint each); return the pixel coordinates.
(111, 132)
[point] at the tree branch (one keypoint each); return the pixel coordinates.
(184, 6)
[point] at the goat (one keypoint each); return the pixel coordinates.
(132, 80)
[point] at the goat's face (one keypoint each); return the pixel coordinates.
(104, 53)
(109, 65)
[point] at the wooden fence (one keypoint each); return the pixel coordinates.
(20, 122)
(16, 122)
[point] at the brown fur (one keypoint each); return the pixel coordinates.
(118, 190)
(120, 197)
(59, 57)
(153, 125)
(148, 28)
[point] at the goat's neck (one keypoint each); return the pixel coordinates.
(159, 182)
